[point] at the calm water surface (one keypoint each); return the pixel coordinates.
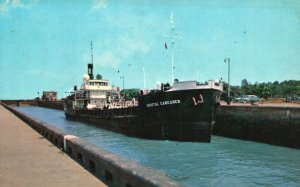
(223, 162)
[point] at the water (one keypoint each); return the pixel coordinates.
(223, 162)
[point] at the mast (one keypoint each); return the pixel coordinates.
(172, 31)
(92, 52)
(90, 66)
(172, 36)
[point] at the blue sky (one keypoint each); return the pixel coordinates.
(45, 45)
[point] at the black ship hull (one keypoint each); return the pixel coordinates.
(186, 115)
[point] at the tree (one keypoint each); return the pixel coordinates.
(98, 77)
(244, 83)
(130, 93)
(265, 90)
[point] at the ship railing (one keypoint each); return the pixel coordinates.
(123, 104)
(82, 96)
(218, 85)
(109, 112)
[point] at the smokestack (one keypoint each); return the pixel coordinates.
(90, 71)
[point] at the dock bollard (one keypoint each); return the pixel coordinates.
(68, 137)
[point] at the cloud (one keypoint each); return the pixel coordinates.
(99, 4)
(7, 5)
(107, 59)
(127, 39)
(129, 46)
(120, 50)
(4, 6)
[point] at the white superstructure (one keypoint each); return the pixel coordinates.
(192, 85)
(95, 93)
(98, 94)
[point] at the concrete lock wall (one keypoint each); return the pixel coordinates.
(273, 125)
(109, 168)
(58, 105)
(20, 102)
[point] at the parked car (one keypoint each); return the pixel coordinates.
(238, 99)
(250, 99)
(292, 98)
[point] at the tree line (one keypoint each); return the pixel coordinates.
(285, 89)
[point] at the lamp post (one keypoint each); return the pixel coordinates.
(228, 94)
(144, 75)
(122, 77)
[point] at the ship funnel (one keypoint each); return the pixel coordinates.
(90, 71)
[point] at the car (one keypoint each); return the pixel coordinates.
(250, 99)
(292, 98)
(238, 99)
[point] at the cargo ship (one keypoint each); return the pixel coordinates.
(184, 111)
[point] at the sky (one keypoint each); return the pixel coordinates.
(45, 45)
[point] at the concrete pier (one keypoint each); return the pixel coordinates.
(112, 169)
(28, 159)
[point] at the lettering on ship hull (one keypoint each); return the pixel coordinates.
(162, 103)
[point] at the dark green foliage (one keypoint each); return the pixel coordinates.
(244, 83)
(130, 93)
(264, 90)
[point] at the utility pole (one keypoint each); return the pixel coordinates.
(228, 94)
